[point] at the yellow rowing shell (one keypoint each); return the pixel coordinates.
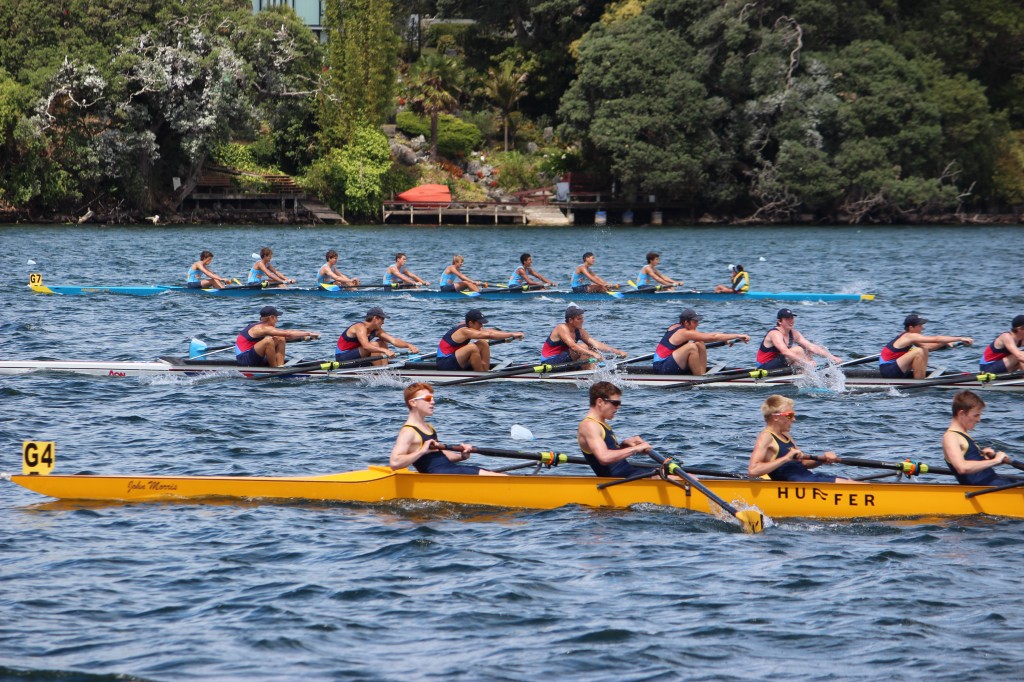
(381, 484)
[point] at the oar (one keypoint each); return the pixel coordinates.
(906, 467)
(860, 361)
(520, 369)
(950, 380)
(751, 520)
(650, 356)
(327, 366)
(733, 375)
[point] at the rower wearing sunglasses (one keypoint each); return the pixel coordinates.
(417, 442)
(602, 450)
(775, 454)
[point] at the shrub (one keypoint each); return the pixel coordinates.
(356, 176)
(455, 138)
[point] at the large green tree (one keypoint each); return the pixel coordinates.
(362, 49)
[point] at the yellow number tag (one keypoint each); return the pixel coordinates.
(37, 457)
(35, 278)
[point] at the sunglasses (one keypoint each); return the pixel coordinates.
(616, 403)
(429, 398)
(789, 415)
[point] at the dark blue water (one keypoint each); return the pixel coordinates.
(417, 591)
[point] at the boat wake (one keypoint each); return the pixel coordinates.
(386, 378)
(829, 378)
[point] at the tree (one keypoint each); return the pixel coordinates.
(431, 94)
(362, 49)
(504, 88)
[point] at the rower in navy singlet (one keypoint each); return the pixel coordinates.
(605, 454)
(1005, 353)
(466, 346)
(776, 456)
(784, 345)
(683, 349)
(368, 338)
(569, 341)
(906, 356)
(262, 344)
(417, 442)
(972, 465)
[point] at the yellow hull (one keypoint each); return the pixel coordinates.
(380, 484)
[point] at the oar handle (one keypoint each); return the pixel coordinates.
(549, 458)
(906, 467)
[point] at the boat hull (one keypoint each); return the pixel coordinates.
(857, 379)
(380, 484)
(488, 294)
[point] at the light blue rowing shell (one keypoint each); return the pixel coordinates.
(495, 294)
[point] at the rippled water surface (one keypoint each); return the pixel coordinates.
(414, 591)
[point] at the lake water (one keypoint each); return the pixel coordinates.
(416, 591)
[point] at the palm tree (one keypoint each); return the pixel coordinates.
(435, 89)
(505, 88)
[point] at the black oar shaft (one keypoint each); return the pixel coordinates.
(672, 467)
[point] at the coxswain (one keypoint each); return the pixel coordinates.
(906, 356)
(465, 346)
(452, 278)
(569, 341)
(739, 284)
(603, 452)
(683, 349)
(650, 278)
(399, 276)
(329, 273)
(418, 444)
(526, 276)
(776, 455)
(367, 338)
(201, 277)
(1006, 354)
(785, 345)
(585, 281)
(262, 344)
(262, 271)
(971, 464)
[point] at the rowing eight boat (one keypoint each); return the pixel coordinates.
(627, 375)
(36, 285)
(380, 484)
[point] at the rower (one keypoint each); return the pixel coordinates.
(785, 345)
(906, 356)
(452, 278)
(398, 276)
(417, 442)
(603, 452)
(972, 465)
(366, 338)
(329, 273)
(585, 281)
(262, 270)
(465, 346)
(777, 456)
(569, 341)
(683, 349)
(650, 278)
(1005, 354)
(262, 344)
(522, 276)
(739, 284)
(196, 272)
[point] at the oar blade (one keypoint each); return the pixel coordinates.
(751, 520)
(520, 432)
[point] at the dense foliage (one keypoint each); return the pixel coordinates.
(867, 110)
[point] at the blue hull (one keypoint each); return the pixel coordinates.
(493, 294)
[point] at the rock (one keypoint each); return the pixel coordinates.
(549, 135)
(403, 155)
(389, 129)
(417, 142)
(532, 148)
